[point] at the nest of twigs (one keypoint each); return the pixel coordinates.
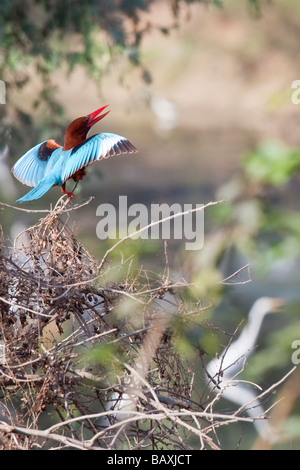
(90, 363)
(67, 353)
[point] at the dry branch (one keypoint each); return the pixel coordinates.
(65, 351)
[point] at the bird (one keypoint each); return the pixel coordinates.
(223, 371)
(50, 164)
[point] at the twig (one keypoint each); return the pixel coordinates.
(236, 273)
(153, 224)
(266, 392)
(49, 211)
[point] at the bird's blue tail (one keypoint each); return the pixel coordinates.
(44, 185)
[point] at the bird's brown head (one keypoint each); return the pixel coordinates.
(78, 129)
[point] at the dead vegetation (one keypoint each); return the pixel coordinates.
(91, 364)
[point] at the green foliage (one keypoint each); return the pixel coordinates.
(45, 34)
(272, 166)
(277, 352)
(271, 163)
(104, 356)
(255, 217)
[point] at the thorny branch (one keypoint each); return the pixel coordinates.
(67, 355)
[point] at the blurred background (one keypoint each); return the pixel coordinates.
(204, 90)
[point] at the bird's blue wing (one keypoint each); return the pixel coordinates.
(95, 148)
(31, 167)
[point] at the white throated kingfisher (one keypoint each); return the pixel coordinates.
(49, 164)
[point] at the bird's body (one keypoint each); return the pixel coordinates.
(232, 360)
(224, 370)
(49, 164)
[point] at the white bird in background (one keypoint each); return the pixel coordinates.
(223, 370)
(166, 113)
(6, 181)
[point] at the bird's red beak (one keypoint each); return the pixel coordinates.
(93, 117)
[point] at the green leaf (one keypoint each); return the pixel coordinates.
(272, 163)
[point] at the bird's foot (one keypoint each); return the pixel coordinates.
(64, 191)
(70, 195)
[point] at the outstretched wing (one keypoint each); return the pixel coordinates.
(31, 167)
(95, 148)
